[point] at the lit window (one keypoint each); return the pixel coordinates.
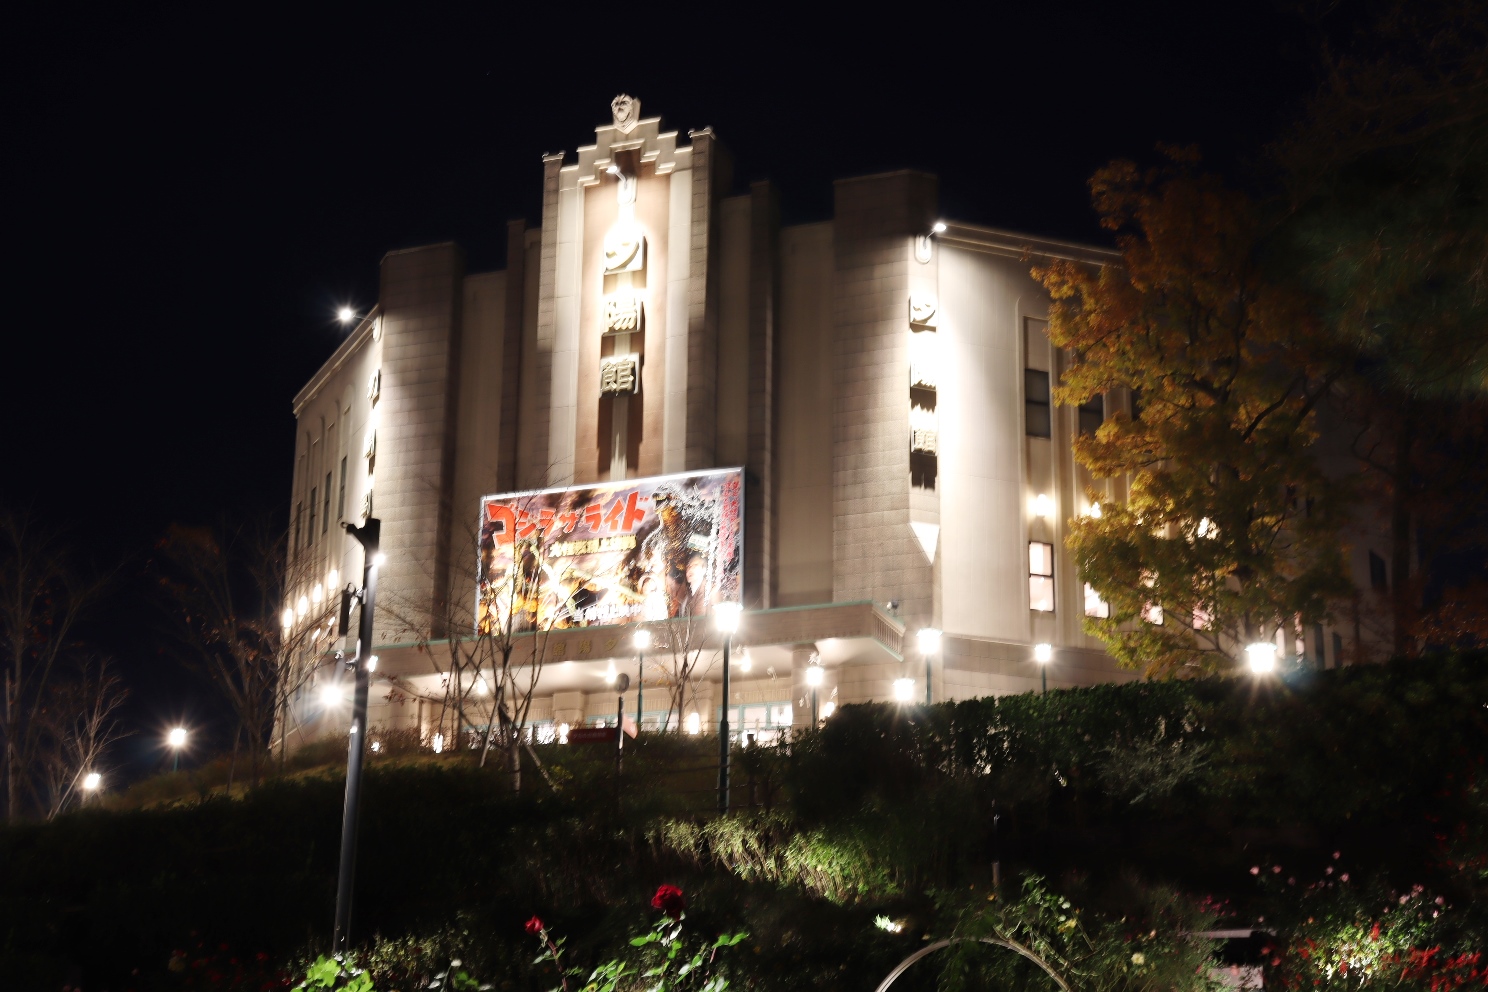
(1092, 414)
(1037, 421)
(1094, 605)
(1041, 576)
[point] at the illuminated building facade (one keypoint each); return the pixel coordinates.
(882, 378)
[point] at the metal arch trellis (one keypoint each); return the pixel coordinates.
(1011, 945)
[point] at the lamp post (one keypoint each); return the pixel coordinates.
(642, 640)
(814, 675)
(929, 638)
(177, 740)
(1043, 654)
(622, 682)
(367, 536)
(726, 616)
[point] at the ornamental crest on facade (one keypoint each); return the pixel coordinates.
(627, 112)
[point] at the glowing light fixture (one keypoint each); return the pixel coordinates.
(1043, 653)
(438, 743)
(377, 745)
(641, 639)
(177, 737)
(379, 559)
(92, 781)
(694, 723)
(904, 690)
(929, 640)
(287, 618)
(331, 694)
(828, 708)
(1043, 506)
(1095, 510)
(482, 687)
(610, 674)
(744, 663)
(372, 663)
(814, 675)
(938, 228)
(302, 605)
(346, 315)
(333, 579)
(1261, 657)
(317, 594)
(726, 616)
(563, 733)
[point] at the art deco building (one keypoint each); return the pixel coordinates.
(883, 379)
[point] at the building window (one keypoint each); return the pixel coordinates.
(1036, 403)
(325, 518)
(1094, 605)
(1379, 578)
(341, 499)
(1092, 415)
(1041, 576)
(310, 535)
(299, 509)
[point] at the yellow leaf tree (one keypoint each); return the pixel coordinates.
(1231, 532)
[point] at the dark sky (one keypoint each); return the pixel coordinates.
(190, 193)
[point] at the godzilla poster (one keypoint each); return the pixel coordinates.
(611, 553)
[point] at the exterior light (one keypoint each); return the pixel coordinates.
(814, 675)
(379, 559)
(903, 690)
(92, 781)
(302, 605)
(316, 594)
(1043, 506)
(642, 640)
(372, 663)
(346, 315)
(330, 694)
(610, 674)
(287, 618)
(1262, 657)
(333, 579)
(744, 663)
(694, 723)
(1095, 510)
(377, 745)
(438, 743)
(563, 733)
(938, 228)
(177, 737)
(613, 170)
(1205, 528)
(482, 688)
(726, 616)
(828, 708)
(1043, 653)
(929, 640)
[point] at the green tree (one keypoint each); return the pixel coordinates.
(1232, 528)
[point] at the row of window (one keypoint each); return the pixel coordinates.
(308, 534)
(1038, 414)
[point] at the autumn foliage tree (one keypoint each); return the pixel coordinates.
(1232, 528)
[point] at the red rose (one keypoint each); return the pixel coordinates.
(534, 926)
(670, 901)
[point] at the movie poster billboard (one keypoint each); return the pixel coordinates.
(611, 553)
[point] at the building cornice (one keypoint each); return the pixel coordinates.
(993, 241)
(358, 337)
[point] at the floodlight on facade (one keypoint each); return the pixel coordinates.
(482, 687)
(302, 606)
(379, 559)
(938, 228)
(1095, 510)
(744, 663)
(346, 315)
(1043, 506)
(904, 690)
(333, 579)
(331, 694)
(287, 618)
(1261, 657)
(371, 662)
(1043, 653)
(726, 616)
(317, 594)
(828, 708)
(438, 743)
(694, 723)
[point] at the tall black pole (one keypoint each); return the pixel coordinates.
(927, 678)
(1043, 678)
(640, 685)
(723, 732)
(356, 749)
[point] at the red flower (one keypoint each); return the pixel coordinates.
(534, 926)
(670, 901)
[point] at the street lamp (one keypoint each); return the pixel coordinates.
(929, 639)
(346, 315)
(814, 676)
(1043, 654)
(92, 781)
(903, 690)
(368, 536)
(642, 641)
(177, 740)
(1262, 657)
(726, 617)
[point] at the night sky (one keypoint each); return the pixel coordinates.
(190, 193)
